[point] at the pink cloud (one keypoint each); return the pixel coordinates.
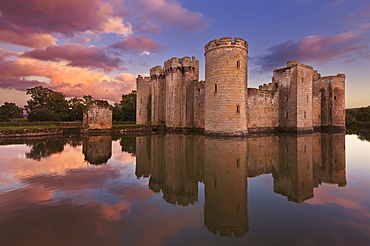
(136, 45)
(72, 81)
(77, 55)
(146, 26)
(171, 14)
(116, 25)
(20, 84)
(31, 40)
(317, 49)
(32, 23)
(6, 53)
(48, 16)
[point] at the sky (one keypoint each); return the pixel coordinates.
(98, 47)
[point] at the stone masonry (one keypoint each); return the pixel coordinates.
(298, 99)
(98, 116)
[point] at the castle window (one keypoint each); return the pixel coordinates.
(302, 80)
(286, 114)
(237, 109)
(140, 112)
(238, 64)
(141, 100)
(305, 114)
(276, 85)
(307, 98)
(215, 87)
(198, 89)
(238, 162)
(335, 97)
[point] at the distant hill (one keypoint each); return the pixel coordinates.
(358, 116)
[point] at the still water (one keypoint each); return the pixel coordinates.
(180, 189)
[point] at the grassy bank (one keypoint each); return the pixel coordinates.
(67, 124)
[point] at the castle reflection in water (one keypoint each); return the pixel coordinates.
(175, 163)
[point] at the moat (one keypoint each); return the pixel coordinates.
(185, 189)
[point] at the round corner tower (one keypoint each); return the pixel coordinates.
(226, 62)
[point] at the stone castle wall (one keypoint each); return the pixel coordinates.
(98, 116)
(329, 93)
(298, 99)
(266, 102)
(144, 100)
(180, 76)
(199, 102)
(226, 63)
(295, 84)
(158, 96)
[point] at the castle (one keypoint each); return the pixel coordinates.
(297, 100)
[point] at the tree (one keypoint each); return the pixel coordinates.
(363, 114)
(118, 113)
(43, 114)
(126, 109)
(10, 111)
(87, 99)
(47, 99)
(76, 108)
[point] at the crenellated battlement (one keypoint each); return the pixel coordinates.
(157, 70)
(225, 43)
(295, 63)
(269, 86)
(185, 62)
(318, 78)
(141, 79)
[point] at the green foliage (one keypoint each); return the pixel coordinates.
(87, 99)
(358, 115)
(76, 108)
(118, 114)
(10, 111)
(43, 114)
(126, 109)
(44, 98)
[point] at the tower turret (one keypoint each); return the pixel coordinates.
(158, 90)
(180, 74)
(226, 86)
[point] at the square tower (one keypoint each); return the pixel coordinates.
(296, 84)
